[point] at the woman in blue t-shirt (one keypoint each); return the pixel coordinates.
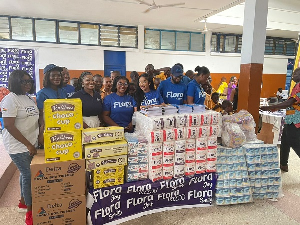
(146, 94)
(118, 107)
(195, 91)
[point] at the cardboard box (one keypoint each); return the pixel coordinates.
(109, 172)
(102, 134)
(63, 114)
(56, 180)
(62, 146)
(105, 149)
(92, 164)
(62, 211)
(105, 177)
(107, 182)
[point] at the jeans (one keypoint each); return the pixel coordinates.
(290, 139)
(22, 161)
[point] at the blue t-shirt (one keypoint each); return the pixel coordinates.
(49, 93)
(196, 91)
(186, 80)
(69, 89)
(121, 108)
(152, 98)
(172, 93)
(91, 105)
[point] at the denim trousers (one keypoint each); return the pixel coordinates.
(22, 161)
(290, 139)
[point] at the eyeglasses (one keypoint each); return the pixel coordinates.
(24, 82)
(122, 84)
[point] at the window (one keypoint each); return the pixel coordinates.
(213, 45)
(197, 42)
(152, 39)
(22, 29)
(45, 30)
(183, 41)
(68, 32)
(280, 46)
(89, 34)
(4, 28)
(109, 35)
(128, 37)
(167, 40)
(174, 40)
(230, 44)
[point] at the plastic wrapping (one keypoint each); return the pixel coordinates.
(232, 135)
(246, 122)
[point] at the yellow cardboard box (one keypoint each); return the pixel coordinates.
(108, 181)
(103, 173)
(104, 149)
(62, 146)
(102, 134)
(63, 114)
(92, 164)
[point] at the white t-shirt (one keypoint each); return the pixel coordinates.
(24, 109)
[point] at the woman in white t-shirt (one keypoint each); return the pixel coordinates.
(21, 129)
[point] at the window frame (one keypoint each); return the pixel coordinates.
(176, 32)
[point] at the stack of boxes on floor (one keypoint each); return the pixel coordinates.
(106, 155)
(57, 174)
(176, 144)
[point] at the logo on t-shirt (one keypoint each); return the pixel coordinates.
(122, 104)
(31, 111)
(150, 101)
(170, 94)
(202, 94)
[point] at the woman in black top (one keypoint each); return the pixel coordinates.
(91, 100)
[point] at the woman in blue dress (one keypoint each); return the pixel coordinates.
(195, 91)
(146, 95)
(118, 107)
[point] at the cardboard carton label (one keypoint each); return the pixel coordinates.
(112, 161)
(60, 211)
(62, 146)
(102, 134)
(56, 180)
(105, 149)
(63, 114)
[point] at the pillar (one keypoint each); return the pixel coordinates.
(252, 56)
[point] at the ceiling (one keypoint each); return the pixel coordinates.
(223, 15)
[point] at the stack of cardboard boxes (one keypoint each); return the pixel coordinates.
(58, 173)
(105, 154)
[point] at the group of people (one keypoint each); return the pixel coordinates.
(111, 101)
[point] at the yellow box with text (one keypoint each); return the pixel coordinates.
(62, 146)
(63, 114)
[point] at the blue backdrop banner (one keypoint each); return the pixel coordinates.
(16, 59)
(113, 203)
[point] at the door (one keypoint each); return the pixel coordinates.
(114, 61)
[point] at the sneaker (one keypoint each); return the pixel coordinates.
(22, 207)
(284, 168)
(28, 219)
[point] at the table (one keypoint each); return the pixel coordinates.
(116, 204)
(272, 125)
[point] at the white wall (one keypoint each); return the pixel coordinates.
(78, 57)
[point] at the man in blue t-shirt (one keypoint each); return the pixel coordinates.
(172, 89)
(69, 89)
